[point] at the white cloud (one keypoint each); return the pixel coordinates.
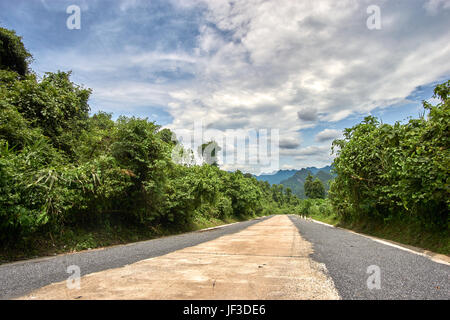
(289, 143)
(327, 135)
(318, 156)
(307, 114)
(433, 6)
(275, 64)
(125, 5)
(313, 151)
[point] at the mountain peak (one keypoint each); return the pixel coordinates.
(279, 176)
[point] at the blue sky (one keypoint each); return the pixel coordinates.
(306, 68)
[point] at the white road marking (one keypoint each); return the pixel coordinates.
(398, 246)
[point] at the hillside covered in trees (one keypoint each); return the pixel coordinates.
(281, 175)
(297, 181)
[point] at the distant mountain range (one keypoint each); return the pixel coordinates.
(276, 177)
(295, 179)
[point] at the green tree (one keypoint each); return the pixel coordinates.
(396, 171)
(138, 149)
(314, 189)
(55, 105)
(13, 55)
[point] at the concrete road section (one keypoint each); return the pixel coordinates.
(20, 278)
(266, 260)
(279, 257)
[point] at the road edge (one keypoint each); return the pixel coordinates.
(45, 258)
(436, 257)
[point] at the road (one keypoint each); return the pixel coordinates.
(278, 257)
(404, 275)
(19, 278)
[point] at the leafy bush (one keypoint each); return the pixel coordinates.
(314, 189)
(13, 55)
(401, 170)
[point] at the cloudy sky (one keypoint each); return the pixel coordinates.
(306, 68)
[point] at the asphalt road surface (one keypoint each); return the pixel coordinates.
(278, 257)
(403, 275)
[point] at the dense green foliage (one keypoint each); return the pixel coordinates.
(298, 180)
(61, 168)
(13, 55)
(314, 189)
(398, 229)
(396, 171)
